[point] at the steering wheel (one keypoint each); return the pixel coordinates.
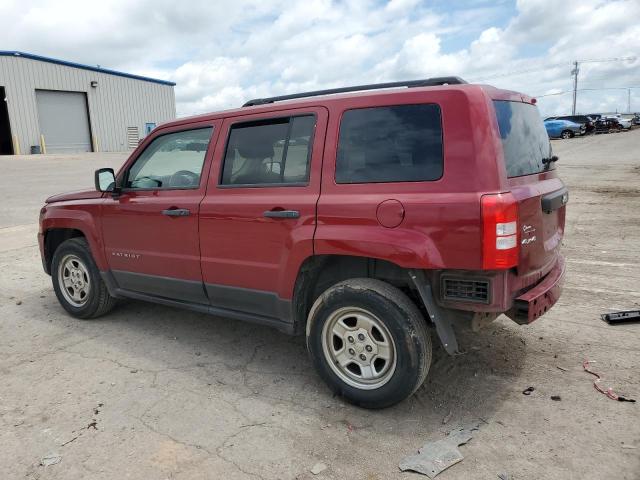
(184, 178)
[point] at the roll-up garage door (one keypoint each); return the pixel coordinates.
(64, 121)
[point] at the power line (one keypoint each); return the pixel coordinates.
(601, 60)
(584, 90)
(520, 72)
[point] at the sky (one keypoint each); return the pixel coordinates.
(222, 53)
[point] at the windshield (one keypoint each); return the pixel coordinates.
(524, 138)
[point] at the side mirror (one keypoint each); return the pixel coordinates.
(105, 180)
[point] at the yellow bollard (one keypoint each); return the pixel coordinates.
(16, 145)
(43, 145)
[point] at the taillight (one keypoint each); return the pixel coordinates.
(500, 247)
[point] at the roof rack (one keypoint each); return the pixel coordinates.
(429, 82)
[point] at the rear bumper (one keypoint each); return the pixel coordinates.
(537, 301)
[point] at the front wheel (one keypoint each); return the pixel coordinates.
(77, 282)
(369, 342)
(567, 134)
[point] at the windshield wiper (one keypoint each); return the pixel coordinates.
(549, 160)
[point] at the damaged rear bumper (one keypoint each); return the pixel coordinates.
(537, 301)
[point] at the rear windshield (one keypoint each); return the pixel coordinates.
(524, 138)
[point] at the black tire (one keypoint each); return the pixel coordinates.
(402, 321)
(98, 301)
(567, 134)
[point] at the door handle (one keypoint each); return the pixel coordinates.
(282, 214)
(176, 212)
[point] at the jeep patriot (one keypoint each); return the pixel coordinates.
(358, 216)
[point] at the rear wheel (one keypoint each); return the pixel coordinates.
(567, 134)
(77, 282)
(369, 342)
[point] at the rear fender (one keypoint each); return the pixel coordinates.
(403, 247)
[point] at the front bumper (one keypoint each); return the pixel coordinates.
(43, 256)
(537, 301)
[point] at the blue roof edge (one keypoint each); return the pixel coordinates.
(31, 56)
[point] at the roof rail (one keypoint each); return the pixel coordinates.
(429, 82)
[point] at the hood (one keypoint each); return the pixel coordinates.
(76, 195)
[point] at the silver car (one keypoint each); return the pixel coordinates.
(624, 120)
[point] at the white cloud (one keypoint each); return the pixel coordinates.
(222, 53)
(401, 5)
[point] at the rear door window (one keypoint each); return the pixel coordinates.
(400, 143)
(524, 138)
(274, 151)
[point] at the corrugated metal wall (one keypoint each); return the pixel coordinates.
(115, 104)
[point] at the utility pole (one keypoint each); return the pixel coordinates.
(574, 72)
(628, 100)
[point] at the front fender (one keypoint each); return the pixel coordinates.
(83, 216)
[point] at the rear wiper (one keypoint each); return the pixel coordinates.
(549, 160)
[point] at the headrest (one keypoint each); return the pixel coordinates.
(259, 150)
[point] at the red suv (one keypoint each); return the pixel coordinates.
(360, 216)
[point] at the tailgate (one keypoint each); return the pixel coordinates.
(541, 196)
(541, 217)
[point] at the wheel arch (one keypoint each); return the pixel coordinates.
(62, 222)
(53, 238)
(319, 272)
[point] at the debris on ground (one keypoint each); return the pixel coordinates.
(96, 410)
(596, 384)
(504, 476)
(435, 457)
(318, 468)
(70, 441)
(562, 368)
(621, 317)
(447, 417)
(50, 459)
(556, 398)
(528, 390)
(93, 424)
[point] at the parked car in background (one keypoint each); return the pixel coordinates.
(636, 120)
(585, 120)
(625, 123)
(563, 128)
(632, 117)
(607, 125)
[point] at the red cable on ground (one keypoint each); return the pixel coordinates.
(596, 384)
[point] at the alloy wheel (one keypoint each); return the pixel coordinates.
(359, 348)
(74, 280)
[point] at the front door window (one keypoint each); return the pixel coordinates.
(171, 161)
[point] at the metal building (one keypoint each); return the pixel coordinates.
(54, 106)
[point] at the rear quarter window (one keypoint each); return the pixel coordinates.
(524, 138)
(401, 143)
